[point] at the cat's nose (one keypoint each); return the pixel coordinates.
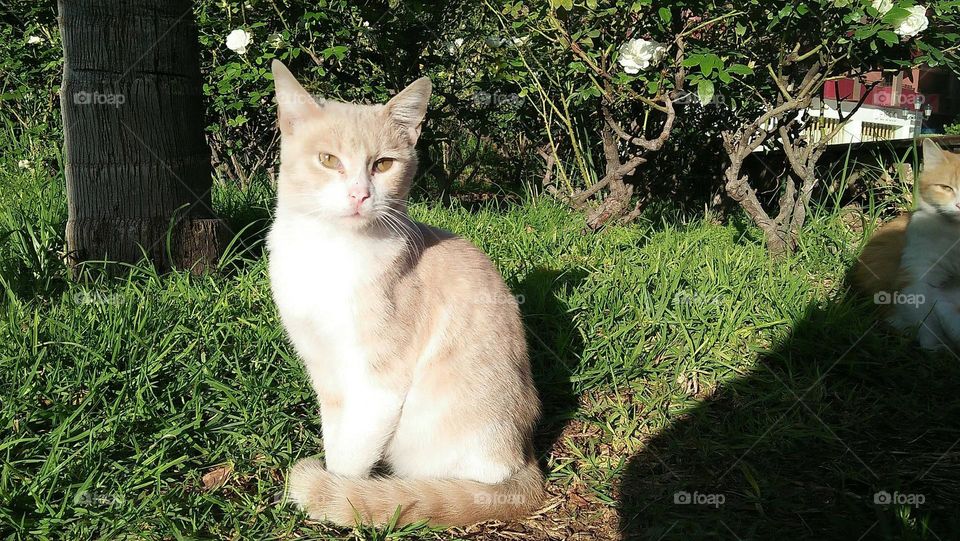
(358, 194)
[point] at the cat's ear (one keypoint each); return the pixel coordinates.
(409, 107)
(294, 104)
(933, 155)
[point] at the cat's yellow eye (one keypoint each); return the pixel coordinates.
(382, 165)
(330, 161)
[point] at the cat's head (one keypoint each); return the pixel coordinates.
(342, 162)
(940, 181)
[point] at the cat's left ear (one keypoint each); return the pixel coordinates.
(933, 155)
(409, 107)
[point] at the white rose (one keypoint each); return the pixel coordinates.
(915, 23)
(640, 54)
(33, 40)
(883, 6)
(24, 164)
(238, 40)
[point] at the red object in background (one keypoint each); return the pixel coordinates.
(881, 96)
(845, 87)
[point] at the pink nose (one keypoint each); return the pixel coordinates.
(358, 194)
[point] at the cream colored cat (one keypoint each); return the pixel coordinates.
(912, 264)
(412, 341)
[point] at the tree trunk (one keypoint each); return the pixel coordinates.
(137, 165)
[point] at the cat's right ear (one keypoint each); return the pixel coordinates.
(933, 155)
(295, 105)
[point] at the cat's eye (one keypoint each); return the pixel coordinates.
(330, 161)
(945, 187)
(383, 164)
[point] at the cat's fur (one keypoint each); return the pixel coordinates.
(913, 262)
(412, 341)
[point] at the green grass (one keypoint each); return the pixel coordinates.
(671, 356)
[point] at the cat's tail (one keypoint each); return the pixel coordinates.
(441, 502)
(878, 269)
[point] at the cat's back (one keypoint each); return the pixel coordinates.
(878, 267)
(453, 262)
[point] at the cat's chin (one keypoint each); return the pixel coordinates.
(951, 216)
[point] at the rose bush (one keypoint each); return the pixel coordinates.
(609, 106)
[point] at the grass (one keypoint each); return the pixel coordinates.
(672, 357)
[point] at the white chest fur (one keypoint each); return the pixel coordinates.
(319, 276)
(932, 253)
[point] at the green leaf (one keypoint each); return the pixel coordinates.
(665, 15)
(890, 37)
(705, 91)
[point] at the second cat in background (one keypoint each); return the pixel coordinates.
(912, 264)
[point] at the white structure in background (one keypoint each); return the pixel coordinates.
(869, 123)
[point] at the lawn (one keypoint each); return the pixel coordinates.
(692, 389)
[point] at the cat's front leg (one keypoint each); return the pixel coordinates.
(360, 429)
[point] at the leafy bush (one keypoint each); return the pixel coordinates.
(607, 105)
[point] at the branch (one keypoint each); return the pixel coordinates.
(652, 145)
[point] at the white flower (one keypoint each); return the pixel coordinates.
(640, 54)
(24, 164)
(238, 40)
(915, 23)
(366, 24)
(33, 40)
(883, 6)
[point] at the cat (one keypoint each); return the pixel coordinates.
(411, 339)
(912, 264)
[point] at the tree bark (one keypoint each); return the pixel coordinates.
(137, 165)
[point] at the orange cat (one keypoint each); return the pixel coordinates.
(410, 337)
(912, 264)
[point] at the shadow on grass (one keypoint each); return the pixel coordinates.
(555, 349)
(841, 432)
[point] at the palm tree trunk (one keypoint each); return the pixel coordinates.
(137, 165)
